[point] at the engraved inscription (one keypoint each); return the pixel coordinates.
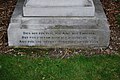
(57, 37)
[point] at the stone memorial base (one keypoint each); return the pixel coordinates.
(59, 8)
(73, 32)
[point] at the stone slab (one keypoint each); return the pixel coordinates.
(59, 8)
(55, 37)
(59, 11)
(41, 3)
(62, 32)
(17, 16)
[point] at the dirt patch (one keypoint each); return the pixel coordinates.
(6, 10)
(112, 9)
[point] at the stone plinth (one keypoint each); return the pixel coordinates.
(43, 3)
(59, 8)
(72, 31)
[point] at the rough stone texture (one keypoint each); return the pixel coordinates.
(59, 31)
(59, 8)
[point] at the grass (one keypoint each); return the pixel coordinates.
(102, 67)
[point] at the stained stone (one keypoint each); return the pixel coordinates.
(72, 31)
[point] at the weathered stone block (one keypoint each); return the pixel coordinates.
(62, 32)
(59, 8)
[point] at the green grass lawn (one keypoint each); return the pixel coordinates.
(98, 67)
